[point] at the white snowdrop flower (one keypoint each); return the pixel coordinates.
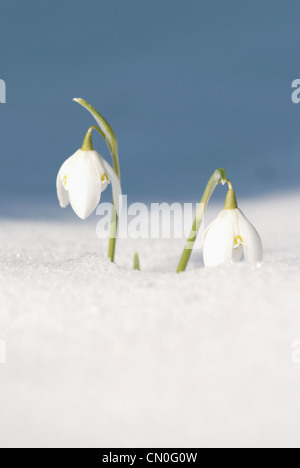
(231, 235)
(81, 180)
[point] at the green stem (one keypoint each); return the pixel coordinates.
(113, 234)
(109, 136)
(87, 144)
(113, 237)
(218, 177)
(106, 131)
(136, 262)
(230, 201)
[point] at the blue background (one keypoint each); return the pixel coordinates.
(188, 86)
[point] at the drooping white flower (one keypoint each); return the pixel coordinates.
(229, 236)
(81, 180)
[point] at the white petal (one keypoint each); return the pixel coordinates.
(62, 181)
(98, 162)
(97, 159)
(104, 184)
(116, 185)
(62, 194)
(218, 240)
(253, 248)
(84, 185)
(237, 253)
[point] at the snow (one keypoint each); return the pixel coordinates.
(98, 355)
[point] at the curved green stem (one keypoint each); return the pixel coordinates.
(230, 201)
(218, 177)
(109, 136)
(106, 132)
(87, 144)
(229, 184)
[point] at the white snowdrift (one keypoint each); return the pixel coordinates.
(99, 355)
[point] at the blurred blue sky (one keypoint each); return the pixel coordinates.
(188, 86)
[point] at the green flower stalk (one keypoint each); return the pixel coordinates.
(109, 136)
(218, 177)
(230, 201)
(136, 262)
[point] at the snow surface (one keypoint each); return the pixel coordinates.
(99, 355)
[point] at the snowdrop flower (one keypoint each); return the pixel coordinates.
(231, 235)
(83, 177)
